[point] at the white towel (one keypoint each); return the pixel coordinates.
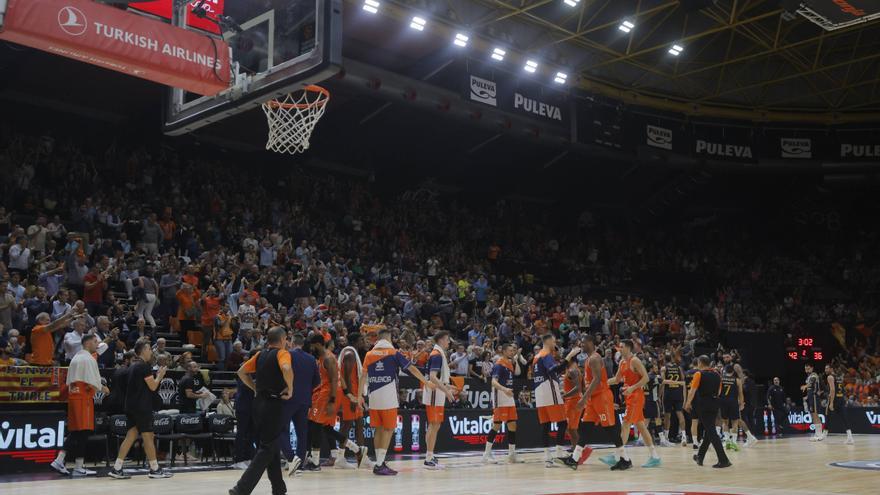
(360, 369)
(444, 370)
(383, 344)
(84, 368)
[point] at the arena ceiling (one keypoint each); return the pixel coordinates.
(739, 58)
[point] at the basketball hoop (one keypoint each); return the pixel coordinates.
(292, 119)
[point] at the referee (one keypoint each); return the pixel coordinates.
(706, 385)
(274, 385)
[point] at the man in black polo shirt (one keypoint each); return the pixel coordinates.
(190, 388)
(706, 384)
(273, 386)
(139, 390)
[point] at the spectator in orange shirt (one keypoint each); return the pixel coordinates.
(167, 226)
(95, 283)
(190, 277)
(42, 343)
(186, 309)
(210, 308)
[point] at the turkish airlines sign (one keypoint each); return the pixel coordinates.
(120, 41)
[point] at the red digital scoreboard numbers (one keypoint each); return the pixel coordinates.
(163, 9)
(805, 350)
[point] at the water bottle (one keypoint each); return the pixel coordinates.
(766, 424)
(398, 435)
(415, 432)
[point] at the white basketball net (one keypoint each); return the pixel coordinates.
(292, 119)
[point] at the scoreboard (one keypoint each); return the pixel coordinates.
(805, 350)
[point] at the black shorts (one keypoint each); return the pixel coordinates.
(672, 404)
(812, 402)
(839, 404)
(651, 410)
(143, 421)
(729, 409)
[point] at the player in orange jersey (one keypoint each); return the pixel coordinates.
(350, 369)
(83, 381)
(548, 394)
(634, 376)
(435, 399)
(504, 406)
(322, 415)
(572, 392)
(598, 406)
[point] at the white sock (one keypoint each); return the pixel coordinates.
(488, 448)
(154, 465)
(577, 452)
(61, 456)
(316, 456)
(511, 449)
(819, 429)
(380, 456)
(79, 463)
(340, 455)
(547, 455)
(654, 452)
(430, 455)
(849, 433)
(352, 446)
(118, 464)
(621, 452)
(662, 436)
(559, 451)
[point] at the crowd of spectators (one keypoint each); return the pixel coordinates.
(143, 242)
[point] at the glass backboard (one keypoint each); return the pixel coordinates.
(278, 46)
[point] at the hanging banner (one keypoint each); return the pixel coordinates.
(653, 133)
(855, 145)
(32, 384)
(658, 137)
(724, 143)
(122, 41)
(793, 144)
(500, 90)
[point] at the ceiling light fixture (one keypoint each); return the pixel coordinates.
(371, 6)
(418, 23)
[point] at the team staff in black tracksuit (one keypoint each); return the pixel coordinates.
(273, 386)
(776, 404)
(706, 385)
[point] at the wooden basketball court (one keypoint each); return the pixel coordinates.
(786, 466)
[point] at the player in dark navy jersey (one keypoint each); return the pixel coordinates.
(812, 388)
(672, 397)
